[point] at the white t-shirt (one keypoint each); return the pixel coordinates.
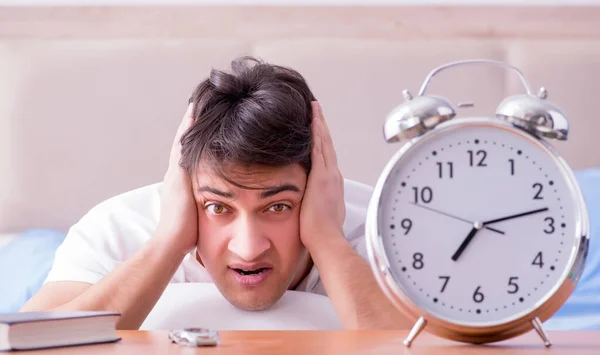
(117, 228)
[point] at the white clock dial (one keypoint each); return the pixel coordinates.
(443, 190)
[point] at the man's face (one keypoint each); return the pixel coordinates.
(249, 239)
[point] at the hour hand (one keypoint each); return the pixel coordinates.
(477, 226)
(455, 217)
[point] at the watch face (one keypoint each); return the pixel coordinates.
(195, 337)
(478, 223)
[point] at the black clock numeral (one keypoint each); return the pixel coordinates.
(446, 279)
(425, 194)
(480, 153)
(513, 284)
(512, 166)
(441, 169)
(550, 221)
(406, 224)
(478, 296)
(418, 261)
(539, 188)
(538, 260)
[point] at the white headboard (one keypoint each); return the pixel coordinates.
(90, 97)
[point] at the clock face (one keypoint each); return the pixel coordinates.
(478, 224)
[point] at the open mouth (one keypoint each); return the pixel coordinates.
(251, 272)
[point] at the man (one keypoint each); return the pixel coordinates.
(252, 200)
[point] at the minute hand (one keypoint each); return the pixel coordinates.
(515, 216)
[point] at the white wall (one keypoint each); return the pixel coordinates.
(115, 60)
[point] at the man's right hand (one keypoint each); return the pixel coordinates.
(179, 215)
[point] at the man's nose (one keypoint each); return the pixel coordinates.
(248, 241)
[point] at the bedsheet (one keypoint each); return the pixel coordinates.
(24, 263)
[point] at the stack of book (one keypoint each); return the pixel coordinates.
(39, 330)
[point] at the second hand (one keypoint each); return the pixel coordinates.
(455, 217)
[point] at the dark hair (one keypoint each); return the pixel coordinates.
(258, 114)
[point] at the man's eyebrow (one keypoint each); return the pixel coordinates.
(272, 191)
(212, 190)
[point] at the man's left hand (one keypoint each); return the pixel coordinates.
(323, 209)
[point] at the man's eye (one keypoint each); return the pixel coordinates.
(216, 208)
(280, 207)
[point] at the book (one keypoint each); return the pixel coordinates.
(39, 330)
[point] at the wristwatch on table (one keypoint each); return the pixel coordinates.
(194, 337)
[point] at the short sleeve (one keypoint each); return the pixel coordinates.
(83, 256)
(106, 236)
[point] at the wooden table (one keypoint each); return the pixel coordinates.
(335, 342)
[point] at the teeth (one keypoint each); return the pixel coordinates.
(250, 272)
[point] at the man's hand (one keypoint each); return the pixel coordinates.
(323, 209)
(348, 280)
(179, 214)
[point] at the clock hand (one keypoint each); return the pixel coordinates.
(476, 226)
(515, 216)
(455, 217)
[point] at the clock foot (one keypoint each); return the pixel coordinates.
(416, 329)
(537, 324)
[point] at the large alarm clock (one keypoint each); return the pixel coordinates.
(477, 230)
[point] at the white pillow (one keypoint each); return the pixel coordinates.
(202, 305)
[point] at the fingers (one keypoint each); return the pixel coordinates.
(329, 154)
(316, 156)
(186, 123)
